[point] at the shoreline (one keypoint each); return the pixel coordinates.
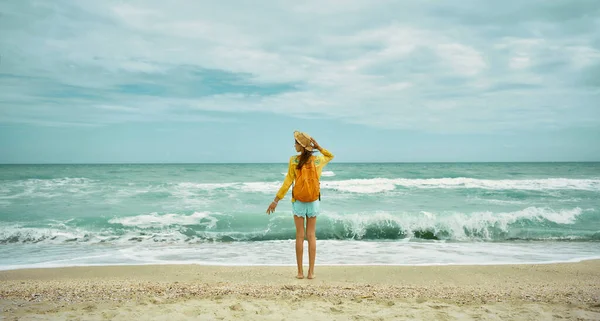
(342, 291)
(577, 260)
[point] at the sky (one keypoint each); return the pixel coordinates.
(229, 81)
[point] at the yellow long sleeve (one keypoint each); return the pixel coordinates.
(289, 179)
(323, 159)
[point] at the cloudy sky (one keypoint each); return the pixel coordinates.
(229, 81)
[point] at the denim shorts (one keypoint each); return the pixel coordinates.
(310, 209)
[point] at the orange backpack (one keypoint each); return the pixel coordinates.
(307, 187)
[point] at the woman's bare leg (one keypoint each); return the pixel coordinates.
(299, 221)
(311, 224)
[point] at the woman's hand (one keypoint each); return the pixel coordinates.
(315, 144)
(271, 208)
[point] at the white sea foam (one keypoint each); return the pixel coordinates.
(194, 192)
(277, 253)
(460, 226)
(377, 185)
(327, 174)
(323, 174)
(361, 186)
(57, 181)
(188, 188)
(260, 187)
(493, 201)
(53, 184)
(154, 220)
(154, 227)
(30, 193)
(16, 233)
(205, 186)
(45, 188)
(380, 185)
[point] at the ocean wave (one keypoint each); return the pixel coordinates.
(327, 174)
(457, 226)
(193, 191)
(533, 223)
(19, 234)
(377, 185)
(493, 201)
(323, 174)
(260, 187)
(205, 186)
(50, 183)
(45, 188)
(154, 220)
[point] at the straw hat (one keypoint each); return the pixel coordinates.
(304, 140)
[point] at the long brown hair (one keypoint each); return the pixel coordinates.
(304, 157)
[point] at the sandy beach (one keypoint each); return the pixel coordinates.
(566, 291)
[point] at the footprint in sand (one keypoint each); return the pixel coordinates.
(236, 307)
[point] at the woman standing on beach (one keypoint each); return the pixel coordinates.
(304, 171)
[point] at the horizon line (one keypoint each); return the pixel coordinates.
(268, 163)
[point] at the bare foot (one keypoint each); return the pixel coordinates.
(310, 276)
(300, 276)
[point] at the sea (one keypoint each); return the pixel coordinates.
(372, 214)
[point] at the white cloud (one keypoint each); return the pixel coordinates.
(520, 62)
(338, 60)
(584, 56)
(118, 108)
(463, 59)
(333, 6)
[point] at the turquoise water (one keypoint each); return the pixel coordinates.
(56, 215)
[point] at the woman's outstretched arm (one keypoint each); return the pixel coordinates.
(287, 182)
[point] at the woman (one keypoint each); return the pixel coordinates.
(305, 172)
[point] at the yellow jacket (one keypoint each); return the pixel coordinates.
(320, 162)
